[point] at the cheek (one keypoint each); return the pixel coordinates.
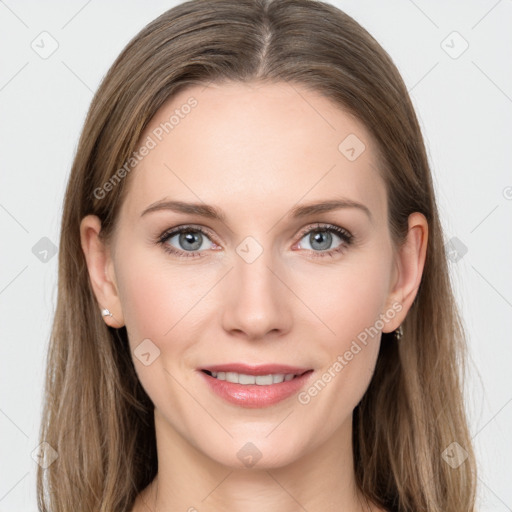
(145, 303)
(154, 295)
(155, 300)
(351, 308)
(349, 298)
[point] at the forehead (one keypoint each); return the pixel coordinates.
(255, 145)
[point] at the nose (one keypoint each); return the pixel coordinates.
(256, 302)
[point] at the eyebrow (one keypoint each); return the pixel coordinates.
(211, 212)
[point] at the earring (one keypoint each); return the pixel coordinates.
(399, 333)
(106, 312)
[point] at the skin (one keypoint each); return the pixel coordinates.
(255, 151)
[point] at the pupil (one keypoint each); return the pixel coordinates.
(318, 237)
(191, 238)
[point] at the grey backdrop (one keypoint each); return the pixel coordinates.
(455, 58)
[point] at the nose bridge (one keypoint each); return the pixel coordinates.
(255, 303)
(252, 268)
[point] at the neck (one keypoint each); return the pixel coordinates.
(321, 480)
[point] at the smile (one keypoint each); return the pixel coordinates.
(257, 387)
(260, 380)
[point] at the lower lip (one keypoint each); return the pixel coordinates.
(254, 396)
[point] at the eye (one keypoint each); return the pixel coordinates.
(190, 241)
(186, 241)
(321, 237)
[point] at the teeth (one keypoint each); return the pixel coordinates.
(264, 380)
(232, 377)
(260, 380)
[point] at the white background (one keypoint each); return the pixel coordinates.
(465, 108)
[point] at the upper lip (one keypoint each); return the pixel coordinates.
(262, 369)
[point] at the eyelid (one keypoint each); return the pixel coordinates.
(328, 227)
(304, 231)
(345, 235)
(183, 227)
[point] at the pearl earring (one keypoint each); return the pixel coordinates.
(106, 312)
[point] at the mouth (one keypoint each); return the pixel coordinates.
(255, 386)
(260, 380)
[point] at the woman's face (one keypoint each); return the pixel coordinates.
(254, 284)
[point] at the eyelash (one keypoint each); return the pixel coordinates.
(346, 237)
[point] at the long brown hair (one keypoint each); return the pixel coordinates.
(98, 418)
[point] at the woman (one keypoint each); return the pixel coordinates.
(254, 307)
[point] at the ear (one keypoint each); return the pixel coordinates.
(101, 270)
(409, 264)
